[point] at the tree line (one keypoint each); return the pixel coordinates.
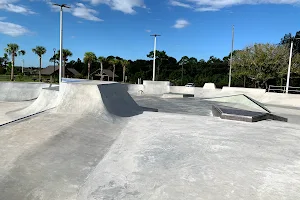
(257, 65)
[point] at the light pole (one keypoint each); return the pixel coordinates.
(61, 38)
(154, 55)
(54, 60)
(289, 68)
(22, 66)
(290, 64)
(232, 43)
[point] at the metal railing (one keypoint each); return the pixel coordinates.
(282, 89)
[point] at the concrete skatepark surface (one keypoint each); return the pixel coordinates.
(85, 147)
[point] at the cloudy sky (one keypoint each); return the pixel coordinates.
(198, 28)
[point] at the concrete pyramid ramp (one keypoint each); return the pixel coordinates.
(102, 99)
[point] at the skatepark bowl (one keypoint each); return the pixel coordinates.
(91, 140)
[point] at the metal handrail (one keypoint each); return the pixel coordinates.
(274, 88)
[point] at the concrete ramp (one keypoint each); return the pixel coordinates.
(99, 99)
(96, 98)
(14, 92)
(46, 100)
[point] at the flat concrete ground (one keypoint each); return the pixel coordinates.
(179, 153)
(194, 106)
(197, 106)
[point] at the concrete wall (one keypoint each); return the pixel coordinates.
(20, 91)
(156, 87)
(280, 99)
(134, 89)
(240, 90)
(182, 89)
(205, 93)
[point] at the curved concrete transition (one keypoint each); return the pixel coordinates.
(102, 99)
(96, 98)
(91, 141)
(17, 91)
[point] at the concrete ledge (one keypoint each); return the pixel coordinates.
(243, 115)
(176, 95)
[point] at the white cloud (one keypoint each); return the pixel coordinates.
(78, 10)
(215, 5)
(181, 23)
(125, 6)
(10, 5)
(84, 12)
(2, 18)
(11, 29)
(148, 31)
(180, 4)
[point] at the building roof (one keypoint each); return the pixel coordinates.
(73, 71)
(107, 72)
(50, 69)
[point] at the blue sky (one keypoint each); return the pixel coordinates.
(198, 28)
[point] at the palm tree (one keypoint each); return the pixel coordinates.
(65, 54)
(89, 57)
(124, 64)
(13, 50)
(101, 60)
(114, 62)
(54, 58)
(184, 60)
(40, 51)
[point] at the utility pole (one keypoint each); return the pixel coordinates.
(154, 55)
(61, 39)
(232, 45)
(289, 69)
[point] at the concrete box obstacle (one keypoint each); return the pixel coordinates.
(209, 86)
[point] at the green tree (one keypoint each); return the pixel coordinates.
(40, 51)
(113, 61)
(89, 57)
(160, 56)
(13, 50)
(263, 62)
